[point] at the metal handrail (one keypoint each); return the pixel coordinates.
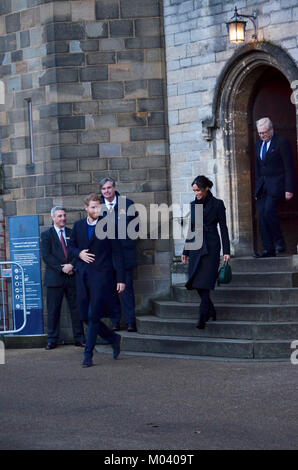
(2, 263)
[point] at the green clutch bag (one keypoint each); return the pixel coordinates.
(224, 274)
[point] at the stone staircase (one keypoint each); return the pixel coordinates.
(257, 316)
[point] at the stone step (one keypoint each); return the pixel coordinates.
(227, 312)
(208, 347)
(276, 264)
(151, 325)
(242, 295)
(264, 279)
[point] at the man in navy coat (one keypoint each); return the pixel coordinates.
(60, 278)
(118, 206)
(97, 286)
(274, 183)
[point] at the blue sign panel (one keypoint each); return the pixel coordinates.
(24, 241)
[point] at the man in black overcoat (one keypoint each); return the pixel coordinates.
(59, 278)
(274, 183)
(118, 206)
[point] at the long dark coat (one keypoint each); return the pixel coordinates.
(203, 264)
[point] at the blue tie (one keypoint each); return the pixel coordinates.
(264, 150)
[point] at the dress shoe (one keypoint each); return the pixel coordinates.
(279, 249)
(87, 362)
(81, 344)
(264, 254)
(116, 328)
(116, 346)
(132, 328)
(51, 346)
(201, 325)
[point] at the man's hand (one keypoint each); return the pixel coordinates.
(120, 287)
(288, 196)
(227, 258)
(87, 257)
(184, 259)
(67, 268)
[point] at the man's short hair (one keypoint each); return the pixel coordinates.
(55, 209)
(263, 122)
(91, 197)
(105, 180)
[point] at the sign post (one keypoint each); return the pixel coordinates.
(24, 241)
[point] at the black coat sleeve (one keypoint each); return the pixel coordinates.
(225, 240)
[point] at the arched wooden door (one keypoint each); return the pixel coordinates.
(271, 97)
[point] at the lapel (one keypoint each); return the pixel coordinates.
(271, 147)
(56, 240)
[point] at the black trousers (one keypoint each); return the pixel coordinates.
(55, 297)
(206, 306)
(269, 224)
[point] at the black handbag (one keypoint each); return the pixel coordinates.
(224, 274)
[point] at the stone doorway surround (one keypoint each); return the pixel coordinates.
(228, 129)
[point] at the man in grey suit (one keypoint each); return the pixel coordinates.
(60, 278)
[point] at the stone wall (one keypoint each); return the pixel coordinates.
(197, 52)
(94, 71)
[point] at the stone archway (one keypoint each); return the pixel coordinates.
(229, 130)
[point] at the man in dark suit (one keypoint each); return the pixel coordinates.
(274, 183)
(118, 207)
(59, 278)
(97, 286)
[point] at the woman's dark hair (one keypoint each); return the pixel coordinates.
(202, 182)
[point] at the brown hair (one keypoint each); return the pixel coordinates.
(91, 197)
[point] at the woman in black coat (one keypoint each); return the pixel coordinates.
(203, 263)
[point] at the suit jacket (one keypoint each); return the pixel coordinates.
(123, 220)
(275, 174)
(101, 274)
(53, 256)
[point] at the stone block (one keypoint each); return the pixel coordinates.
(119, 163)
(107, 90)
(16, 56)
(30, 18)
(37, 96)
(97, 30)
(105, 121)
(99, 175)
(9, 158)
(155, 87)
(83, 10)
(81, 177)
(133, 149)
(19, 143)
(55, 109)
(148, 27)
(146, 133)
(25, 207)
(143, 43)
(63, 60)
(93, 164)
(107, 9)
(74, 151)
(139, 9)
(121, 28)
(73, 122)
(69, 92)
(133, 175)
(12, 23)
(156, 119)
(5, 7)
(119, 135)
(101, 58)
(86, 108)
(8, 43)
(93, 74)
(120, 72)
(111, 44)
(44, 205)
(118, 106)
(26, 81)
(14, 83)
(60, 75)
(88, 188)
(148, 162)
(95, 136)
(56, 47)
(146, 71)
(109, 150)
(24, 39)
(89, 45)
(132, 119)
(136, 89)
(36, 193)
(64, 32)
(130, 56)
(60, 190)
(150, 104)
